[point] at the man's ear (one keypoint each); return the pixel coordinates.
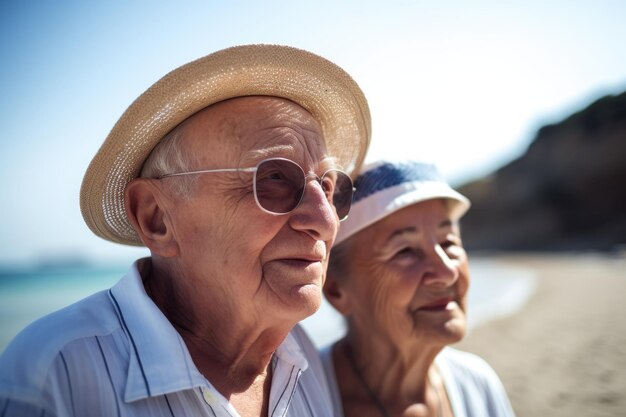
(144, 204)
(336, 294)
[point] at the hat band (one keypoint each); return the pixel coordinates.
(390, 175)
(383, 203)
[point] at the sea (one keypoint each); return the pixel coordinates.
(497, 289)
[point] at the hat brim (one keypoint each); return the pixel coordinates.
(321, 87)
(384, 203)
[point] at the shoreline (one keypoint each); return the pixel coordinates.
(564, 352)
(497, 289)
(25, 298)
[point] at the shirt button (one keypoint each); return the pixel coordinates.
(208, 396)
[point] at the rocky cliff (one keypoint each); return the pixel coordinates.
(567, 192)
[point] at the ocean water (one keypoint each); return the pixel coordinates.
(496, 290)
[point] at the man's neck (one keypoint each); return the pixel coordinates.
(234, 356)
(254, 401)
(244, 380)
(234, 371)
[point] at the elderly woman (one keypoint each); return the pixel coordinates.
(399, 274)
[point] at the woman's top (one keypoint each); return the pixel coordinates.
(472, 385)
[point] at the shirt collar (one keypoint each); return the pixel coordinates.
(159, 360)
(289, 352)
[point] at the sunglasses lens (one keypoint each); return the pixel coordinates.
(279, 185)
(340, 185)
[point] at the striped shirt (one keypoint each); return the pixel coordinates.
(115, 354)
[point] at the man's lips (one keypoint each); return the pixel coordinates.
(312, 254)
(298, 261)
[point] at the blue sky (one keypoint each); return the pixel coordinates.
(464, 84)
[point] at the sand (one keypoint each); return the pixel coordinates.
(564, 353)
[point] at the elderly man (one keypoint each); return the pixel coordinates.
(230, 170)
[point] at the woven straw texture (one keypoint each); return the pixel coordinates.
(316, 84)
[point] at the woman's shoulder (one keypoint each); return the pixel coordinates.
(464, 360)
(326, 356)
(473, 384)
(467, 365)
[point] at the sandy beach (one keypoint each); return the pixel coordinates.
(564, 353)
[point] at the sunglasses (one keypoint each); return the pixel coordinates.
(279, 185)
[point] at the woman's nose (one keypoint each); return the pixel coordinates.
(441, 270)
(315, 214)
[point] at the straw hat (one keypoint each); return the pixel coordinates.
(316, 84)
(384, 187)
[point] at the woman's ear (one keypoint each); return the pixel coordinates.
(336, 294)
(144, 204)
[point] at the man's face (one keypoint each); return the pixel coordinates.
(236, 261)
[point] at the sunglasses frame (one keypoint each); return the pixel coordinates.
(255, 169)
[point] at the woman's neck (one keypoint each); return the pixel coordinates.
(396, 377)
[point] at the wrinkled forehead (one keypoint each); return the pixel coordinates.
(256, 125)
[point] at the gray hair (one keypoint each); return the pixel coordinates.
(169, 157)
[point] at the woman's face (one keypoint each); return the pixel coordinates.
(408, 277)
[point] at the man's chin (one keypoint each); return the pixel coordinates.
(305, 299)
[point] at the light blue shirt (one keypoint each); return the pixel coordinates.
(115, 354)
(472, 386)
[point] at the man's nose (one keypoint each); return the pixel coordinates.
(315, 214)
